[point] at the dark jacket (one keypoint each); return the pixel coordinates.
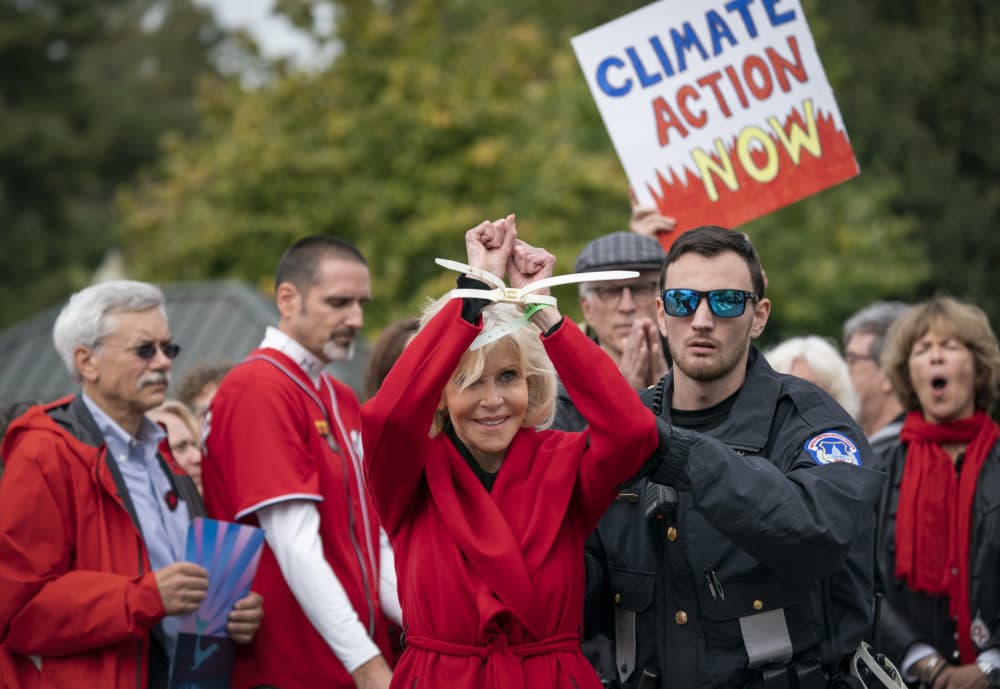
(907, 616)
(755, 524)
(79, 605)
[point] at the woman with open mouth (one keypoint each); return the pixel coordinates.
(939, 519)
(487, 513)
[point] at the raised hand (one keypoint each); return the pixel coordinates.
(489, 245)
(529, 264)
(647, 220)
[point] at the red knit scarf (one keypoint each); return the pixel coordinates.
(933, 521)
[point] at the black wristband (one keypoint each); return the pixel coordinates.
(555, 326)
(471, 308)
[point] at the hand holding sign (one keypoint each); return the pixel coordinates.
(245, 618)
(647, 220)
(226, 612)
(183, 586)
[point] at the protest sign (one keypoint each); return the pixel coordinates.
(720, 110)
(230, 553)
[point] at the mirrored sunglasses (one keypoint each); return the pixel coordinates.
(724, 303)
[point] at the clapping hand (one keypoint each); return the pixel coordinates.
(642, 362)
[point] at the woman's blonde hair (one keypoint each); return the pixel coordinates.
(532, 359)
(967, 323)
(180, 410)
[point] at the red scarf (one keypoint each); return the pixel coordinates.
(930, 558)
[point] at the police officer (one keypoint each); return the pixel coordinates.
(745, 557)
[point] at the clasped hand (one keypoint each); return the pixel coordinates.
(495, 248)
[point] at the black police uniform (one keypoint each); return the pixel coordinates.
(760, 540)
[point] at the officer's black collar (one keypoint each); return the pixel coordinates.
(750, 422)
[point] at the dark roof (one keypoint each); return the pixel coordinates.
(211, 320)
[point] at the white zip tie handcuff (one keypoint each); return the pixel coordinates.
(519, 296)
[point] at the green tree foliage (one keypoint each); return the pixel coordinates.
(86, 90)
(437, 115)
(431, 119)
(919, 88)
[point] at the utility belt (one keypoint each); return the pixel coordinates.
(798, 675)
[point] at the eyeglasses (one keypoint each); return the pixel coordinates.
(642, 292)
(853, 358)
(724, 303)
(147, 350)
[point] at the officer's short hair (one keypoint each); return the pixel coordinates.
(89, 315)
(875, 319)
(710, 241)
(300, 261)
(967, 323)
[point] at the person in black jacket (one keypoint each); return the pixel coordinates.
(939, 518)
(745, 557)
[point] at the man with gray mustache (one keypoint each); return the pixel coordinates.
(96, 511)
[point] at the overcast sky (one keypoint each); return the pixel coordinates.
(276, 36)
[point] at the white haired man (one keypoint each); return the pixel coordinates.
(96, 511)
(620, 315)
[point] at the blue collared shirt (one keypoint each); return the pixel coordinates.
(164, 530)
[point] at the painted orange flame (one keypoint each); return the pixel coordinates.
(687, 201)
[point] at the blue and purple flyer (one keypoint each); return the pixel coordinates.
(230, 552)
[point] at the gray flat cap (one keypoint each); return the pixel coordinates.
(620, 251)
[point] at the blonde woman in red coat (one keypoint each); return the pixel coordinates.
(488, 513)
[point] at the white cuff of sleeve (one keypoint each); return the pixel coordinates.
(292, 531)
(388, 596)
(991, 656)
(917, 652)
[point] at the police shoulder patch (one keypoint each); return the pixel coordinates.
(831, 446)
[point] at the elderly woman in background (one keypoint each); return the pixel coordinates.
(939, 519)
(819, 362)
(488, 514)
(183, 436)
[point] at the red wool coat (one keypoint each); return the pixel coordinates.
(492, 584)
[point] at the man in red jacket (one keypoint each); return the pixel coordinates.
(283, 450)
(95, 512)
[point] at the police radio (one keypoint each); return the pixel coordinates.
(659, 500)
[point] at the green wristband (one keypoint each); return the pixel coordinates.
(531, 309)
